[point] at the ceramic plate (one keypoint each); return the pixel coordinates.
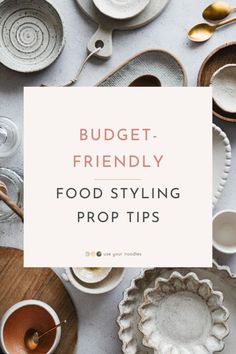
(157, 63)
(31, 35)
(221, 162)
(129, 318)
(121, 9)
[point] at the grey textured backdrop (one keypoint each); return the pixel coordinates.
(97, 315)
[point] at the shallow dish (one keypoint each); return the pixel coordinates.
(31, 36)
(121, 9)
(224, 231)
(223, 83)
(109, 283)
(133, 297)
(183, 314)
(157, 63)
(223, 55)
(221, 162)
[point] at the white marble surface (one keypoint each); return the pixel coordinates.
(97, 315)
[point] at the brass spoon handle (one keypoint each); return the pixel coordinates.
(12, 205)
(226, 22)
(51, 329)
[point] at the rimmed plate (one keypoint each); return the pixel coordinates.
(222, 279)
(221, 162)
(31, 36)
(223, 55)
(154, 62)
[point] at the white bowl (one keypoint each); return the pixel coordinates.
(91, 275)
(121, 9)
(224, 231)
(183, 314)
(25, 303)
(223, 83)
(109, 283)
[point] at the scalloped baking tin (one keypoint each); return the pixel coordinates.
(183, 314)
(222, 279)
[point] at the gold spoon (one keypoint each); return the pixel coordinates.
(204, 31)
(218, 11)
(32, 337)
(4, 197)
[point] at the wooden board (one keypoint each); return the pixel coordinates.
(155, 62)
(221, 56)
(106, 25)
(18, 283)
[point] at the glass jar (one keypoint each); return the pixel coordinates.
(9, 138)
(14, 184)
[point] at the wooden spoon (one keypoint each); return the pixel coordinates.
(218, 11)
(204, 31)
(4, 197)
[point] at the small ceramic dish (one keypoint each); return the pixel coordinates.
(183, 314)
(121, 9)
(91, 275)
(113, 279)
(224, 231)
(32, 35)
(221, 162)
(25, 315)
(223, 83)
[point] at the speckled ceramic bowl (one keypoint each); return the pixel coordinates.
(31, 36)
